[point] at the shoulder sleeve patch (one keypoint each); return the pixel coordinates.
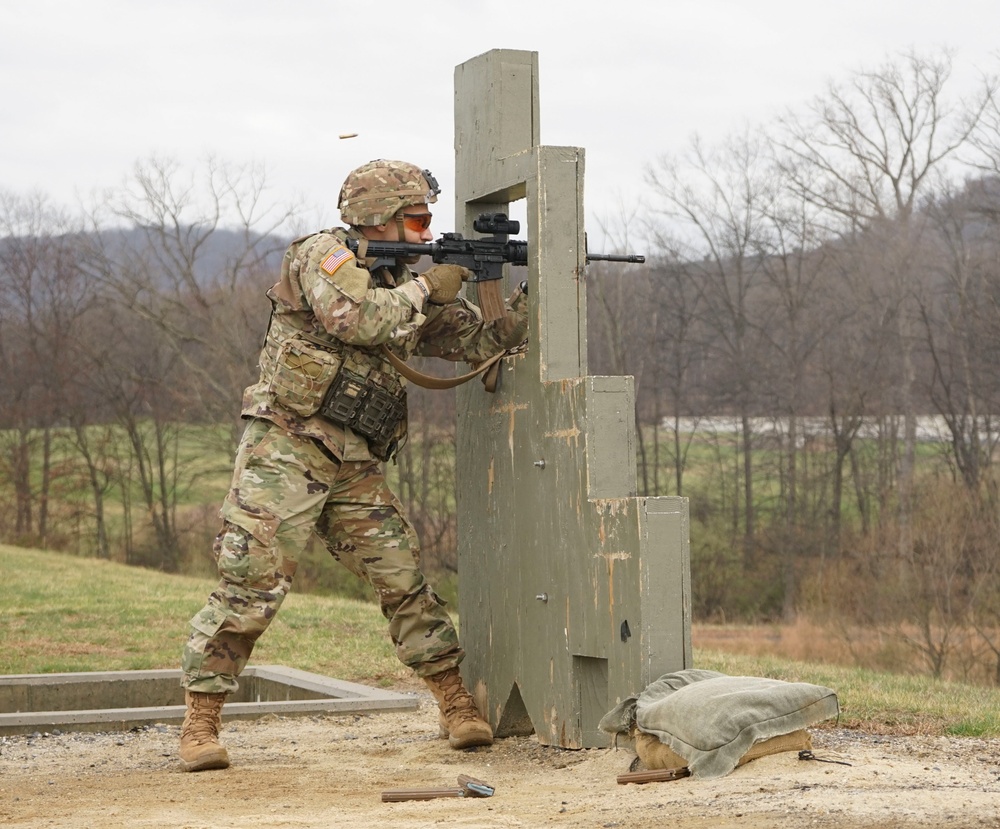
(335, 258)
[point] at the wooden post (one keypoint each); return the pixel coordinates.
(574, 593)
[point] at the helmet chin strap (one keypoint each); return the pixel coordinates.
(401, 237)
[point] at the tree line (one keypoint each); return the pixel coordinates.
(821, 282)
(827, 281)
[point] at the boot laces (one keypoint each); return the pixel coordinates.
(202, 723)
(458, 701)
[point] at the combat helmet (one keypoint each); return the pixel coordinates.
(373, 192)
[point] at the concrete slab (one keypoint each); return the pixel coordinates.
(120, 700)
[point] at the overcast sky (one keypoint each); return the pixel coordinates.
(90, 87)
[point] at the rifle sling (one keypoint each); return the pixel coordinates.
(427, 381)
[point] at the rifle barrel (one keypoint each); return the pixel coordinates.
(634, 258)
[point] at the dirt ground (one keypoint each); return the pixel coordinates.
(331, 771)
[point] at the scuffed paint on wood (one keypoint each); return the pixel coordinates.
(547, 464)
(613, 506)
(620, 555)
(568, 435)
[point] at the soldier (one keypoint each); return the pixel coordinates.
(327, 410)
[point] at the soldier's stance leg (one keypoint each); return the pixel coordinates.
(363, 527)
(279, 486)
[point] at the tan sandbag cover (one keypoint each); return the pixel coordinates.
(657, 755)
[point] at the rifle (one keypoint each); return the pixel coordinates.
(484, 257)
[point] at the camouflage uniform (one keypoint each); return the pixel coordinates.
(298, 472)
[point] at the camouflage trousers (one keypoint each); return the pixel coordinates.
(284, 488)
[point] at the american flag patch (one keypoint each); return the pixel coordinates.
(337, 257)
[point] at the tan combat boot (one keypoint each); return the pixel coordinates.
(200, 749)
(459, 715)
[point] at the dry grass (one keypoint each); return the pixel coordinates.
(892, 649)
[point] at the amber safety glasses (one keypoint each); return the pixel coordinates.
(417, 222)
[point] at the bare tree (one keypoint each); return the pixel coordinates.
(795, 285)
(983, 151)
(190, 255)
(937, 590)
(959, 323)
(44, 300)
(625, 328)
(865, 155)
(719, 199)
(984, 599)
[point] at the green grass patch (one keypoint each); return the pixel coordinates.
(69, 613)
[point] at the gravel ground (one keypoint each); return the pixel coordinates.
(330, 772)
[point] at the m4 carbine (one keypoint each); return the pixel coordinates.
(484, 257)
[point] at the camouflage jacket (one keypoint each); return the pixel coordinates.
(329, 313)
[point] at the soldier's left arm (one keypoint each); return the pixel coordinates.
(457, 331)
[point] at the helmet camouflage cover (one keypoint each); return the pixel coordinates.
(373, 192)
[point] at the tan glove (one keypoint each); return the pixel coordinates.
(514, 326)
(444, 282)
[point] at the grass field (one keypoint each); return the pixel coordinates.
(67, 613)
